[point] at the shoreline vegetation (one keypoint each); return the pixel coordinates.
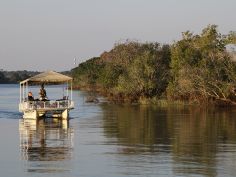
(197, 69)
(14, 77)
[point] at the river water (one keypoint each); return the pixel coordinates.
(108, 140)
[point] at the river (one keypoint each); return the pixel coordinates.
(110, 140)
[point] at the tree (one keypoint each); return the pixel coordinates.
(201, 68)
(148, 74)
(130, 69)
(2, 78)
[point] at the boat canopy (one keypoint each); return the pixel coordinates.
(47, 77)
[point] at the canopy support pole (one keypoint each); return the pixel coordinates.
(71, 91)
(67, 90)
(23, 93)
(20, 93)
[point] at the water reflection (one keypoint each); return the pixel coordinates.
(134, 125)
(199, 137)
(43, 141)
(196, 138)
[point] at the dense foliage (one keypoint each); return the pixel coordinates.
(130, 70)
(201, 68)
(195, 68)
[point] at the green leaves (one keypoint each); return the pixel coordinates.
(197, 68)
(201, 67)
(130, 69)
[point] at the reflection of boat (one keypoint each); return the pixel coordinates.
(41, 107)
(45, 139)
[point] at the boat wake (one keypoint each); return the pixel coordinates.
(10, 114)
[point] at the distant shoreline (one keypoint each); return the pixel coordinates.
(14, 77)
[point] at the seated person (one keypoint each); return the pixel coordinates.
(65, 97)
(30, 96)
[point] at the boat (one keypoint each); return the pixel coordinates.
(43, 107)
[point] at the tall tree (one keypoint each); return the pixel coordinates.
(201, 67)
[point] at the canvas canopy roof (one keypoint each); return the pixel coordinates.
(47, 77)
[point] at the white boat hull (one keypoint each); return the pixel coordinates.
(34, 110)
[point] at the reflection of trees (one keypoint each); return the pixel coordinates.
(134, 125)
(197, 137)
(45, 139)
(193, 135)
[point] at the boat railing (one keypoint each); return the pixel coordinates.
(52, 104)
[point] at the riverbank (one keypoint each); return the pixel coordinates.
(157, 101)
(196, 69)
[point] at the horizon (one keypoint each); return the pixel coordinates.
(39, 36)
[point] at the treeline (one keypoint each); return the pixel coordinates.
(13, 77)
(197, 68)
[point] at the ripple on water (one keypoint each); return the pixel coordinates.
(10, 114)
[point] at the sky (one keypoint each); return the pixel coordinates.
(41, 35)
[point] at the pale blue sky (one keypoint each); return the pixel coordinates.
(48, 34)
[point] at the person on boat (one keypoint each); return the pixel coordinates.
(42, 93)
(30, 96)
